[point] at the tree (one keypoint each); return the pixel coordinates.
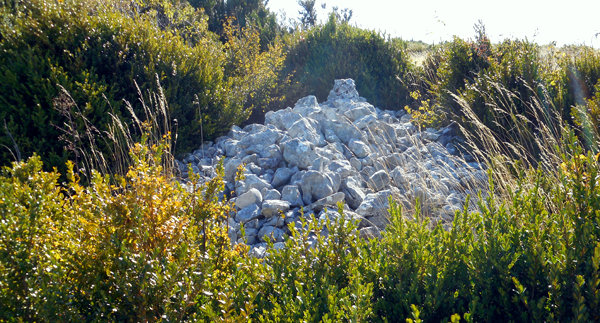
(308, 14)
(243, 13)
(343, 15)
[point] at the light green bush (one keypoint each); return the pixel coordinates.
(98, 52)
(338, 50)
(142, 249)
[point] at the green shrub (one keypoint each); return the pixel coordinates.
(98, 52)
(459, 64)
(573, 88)
(505, 96)
(142, 249)
(246, 13)
(146, 248)
(573, 81)
(318, 281)
(337, 50)
(534, 257)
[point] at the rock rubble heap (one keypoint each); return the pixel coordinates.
(313, 156)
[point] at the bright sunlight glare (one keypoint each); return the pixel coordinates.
(572, 22)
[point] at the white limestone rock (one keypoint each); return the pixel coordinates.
(274, 207)
(252, 196)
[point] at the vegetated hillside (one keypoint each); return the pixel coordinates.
(140, 247)
(67, 67)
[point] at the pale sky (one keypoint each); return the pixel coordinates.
(432, 21)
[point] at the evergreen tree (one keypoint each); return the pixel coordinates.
(308, 14)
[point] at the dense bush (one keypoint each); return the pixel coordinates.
(143, 249)
(512, 90)
(318, 280)
(338, 50)
(533, 259)
(98, 52)
(459, 63)
(573, 79)
(147, 249)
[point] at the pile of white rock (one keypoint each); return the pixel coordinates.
(312, 156)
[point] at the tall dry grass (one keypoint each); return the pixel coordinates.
(108, 152)
(532, 140)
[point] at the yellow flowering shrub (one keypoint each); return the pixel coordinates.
(141, 247)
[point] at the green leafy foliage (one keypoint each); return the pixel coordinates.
(143, 249)
(98, 52)
(512, 91)
(147, 248)
(338, 50)
(512, 261)
(455, 65)
(246, 13)
(319, 280)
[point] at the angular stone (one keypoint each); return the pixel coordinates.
(254, 128)
(296, 179)
(360, 111)
(330, 201)
(359, 148)
(380, 180)
(375, 204)
(341, 167)
(399, 178)
(345, 131)
(291, 194)
(302, 129)
(316, 185)
(282, 176)
(406, 128)
(253, 158)
(366, 121)
(282, 119)
(268, 163)
(343, 90)
(254, 223)
(252, 169)
(231, 147)
(330, 135)
(275, 221)
(252, 196)
(272, 195)
(319, 163)
(251, 235)
(274, 207)
(236, 133)
(270, 151)
(392, 161)
(306, 106)
(333, 215)
(405, 118)
(430, 134)
(263, 138)
(273, 233)
(298, 153)
(251, 181)
(231, 167)
(248, 214)
(356, 164)
(354, 194)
